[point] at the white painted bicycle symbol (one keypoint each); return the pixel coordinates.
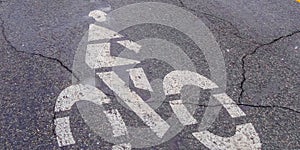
(97, 55)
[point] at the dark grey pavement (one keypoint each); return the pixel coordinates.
(260, 41)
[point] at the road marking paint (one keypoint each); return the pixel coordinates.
(98, 15)
(99, 33)
(117, 123)
(229, 105)
(140, 79)
(98, 55)
(182, 113)
(135, 103)
(130, 45)
(75, 93)
(175, 80)
(125, 146)
(244, 138)
(173, 83)
(63, 131)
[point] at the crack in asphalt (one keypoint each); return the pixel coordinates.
(236, 33)
(34, 54)
(252, 53)
(247, 105)
(39, 55)
(270, 106)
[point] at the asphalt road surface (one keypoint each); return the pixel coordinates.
(259, 41)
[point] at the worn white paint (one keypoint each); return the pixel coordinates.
(245, 138)
(233, 110)
(98, 55)
(63, 131)
(116, 121)
(182, 113)
(75, 93)
(100, 33)
(130, 45)
(175, 80)
(98, 15)
(125, 146)
(140, 79)
(135, 103)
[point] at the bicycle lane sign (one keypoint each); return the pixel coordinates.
(123, 73)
